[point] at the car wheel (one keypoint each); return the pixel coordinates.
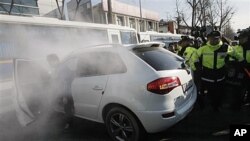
(122, 125)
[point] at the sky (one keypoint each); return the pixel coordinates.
(167, 8)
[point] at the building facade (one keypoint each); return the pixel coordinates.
(129, 15)
(122, 14)
(172, 27)
(20, 7)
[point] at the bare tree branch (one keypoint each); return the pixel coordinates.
(11, 6)
(6, 10)
(58, 7)
(226, 12)
(77, 7)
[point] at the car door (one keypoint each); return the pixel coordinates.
(30, 90)
(89, 85)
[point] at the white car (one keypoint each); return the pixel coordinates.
(130, 89)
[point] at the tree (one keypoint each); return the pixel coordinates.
(228, 31)
(215, 13)
(225, 14)
(179, 16)
(11, 6)
(77, 7)
(10, 9)
(59, 9)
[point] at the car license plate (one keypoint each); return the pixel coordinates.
(187, 86)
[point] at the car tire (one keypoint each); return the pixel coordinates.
(122, 125)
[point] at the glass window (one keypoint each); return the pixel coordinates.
(128, 37)
(132, 23)
(115, 39)
(159, 58)
(120, 20)
(22, 7)
(99, 63)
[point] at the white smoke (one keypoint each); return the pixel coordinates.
(34, 43)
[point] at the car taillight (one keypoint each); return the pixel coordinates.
(163, 85)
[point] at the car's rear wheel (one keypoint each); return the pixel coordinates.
(122, 125)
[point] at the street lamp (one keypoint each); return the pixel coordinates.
(140, 15)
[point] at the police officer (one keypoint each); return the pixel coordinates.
(234, 79)
(183, 44)
(188, 53)
(244, 41)
(209, 62)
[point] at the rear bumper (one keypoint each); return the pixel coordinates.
(153, 121)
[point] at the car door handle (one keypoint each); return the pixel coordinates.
(98, 88)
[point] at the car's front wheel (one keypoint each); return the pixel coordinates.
(122, 125)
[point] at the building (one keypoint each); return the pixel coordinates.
(172, 26)
(20, 7)
(167, 26)
(122, 14)
(127, 15)
(183, 29)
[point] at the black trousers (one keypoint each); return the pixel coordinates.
(214, 92)
(69, 109)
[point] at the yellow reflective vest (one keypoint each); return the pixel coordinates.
(188, 53)
(211, 59)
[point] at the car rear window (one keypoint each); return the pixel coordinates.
(159, 58)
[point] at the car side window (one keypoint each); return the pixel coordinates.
(99, 63)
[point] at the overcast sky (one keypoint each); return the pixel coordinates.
(167, 8)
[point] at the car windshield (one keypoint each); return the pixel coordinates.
(159, 58)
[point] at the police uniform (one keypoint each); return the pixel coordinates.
(188, 53)
(234, 78)
(244, 40)
(182, 45)
(209, 62)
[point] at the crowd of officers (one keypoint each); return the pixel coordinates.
(219, 68)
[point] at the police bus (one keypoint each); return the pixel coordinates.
(29, 37)
(166, 38)
(156, 36)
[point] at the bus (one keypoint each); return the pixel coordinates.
(156, 36)
(166, 38)
(36, 37)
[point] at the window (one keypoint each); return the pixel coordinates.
(150, 26)
(128, 37)
(132, 23)
(25, 7)
(159, 58)
(99, 63)
(115, 39)
(120, 20)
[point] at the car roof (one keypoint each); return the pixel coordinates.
(93, 48)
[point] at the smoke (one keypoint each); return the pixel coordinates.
(37, 87)
(34, 91)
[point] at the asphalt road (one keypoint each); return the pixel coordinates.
(198, 125)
